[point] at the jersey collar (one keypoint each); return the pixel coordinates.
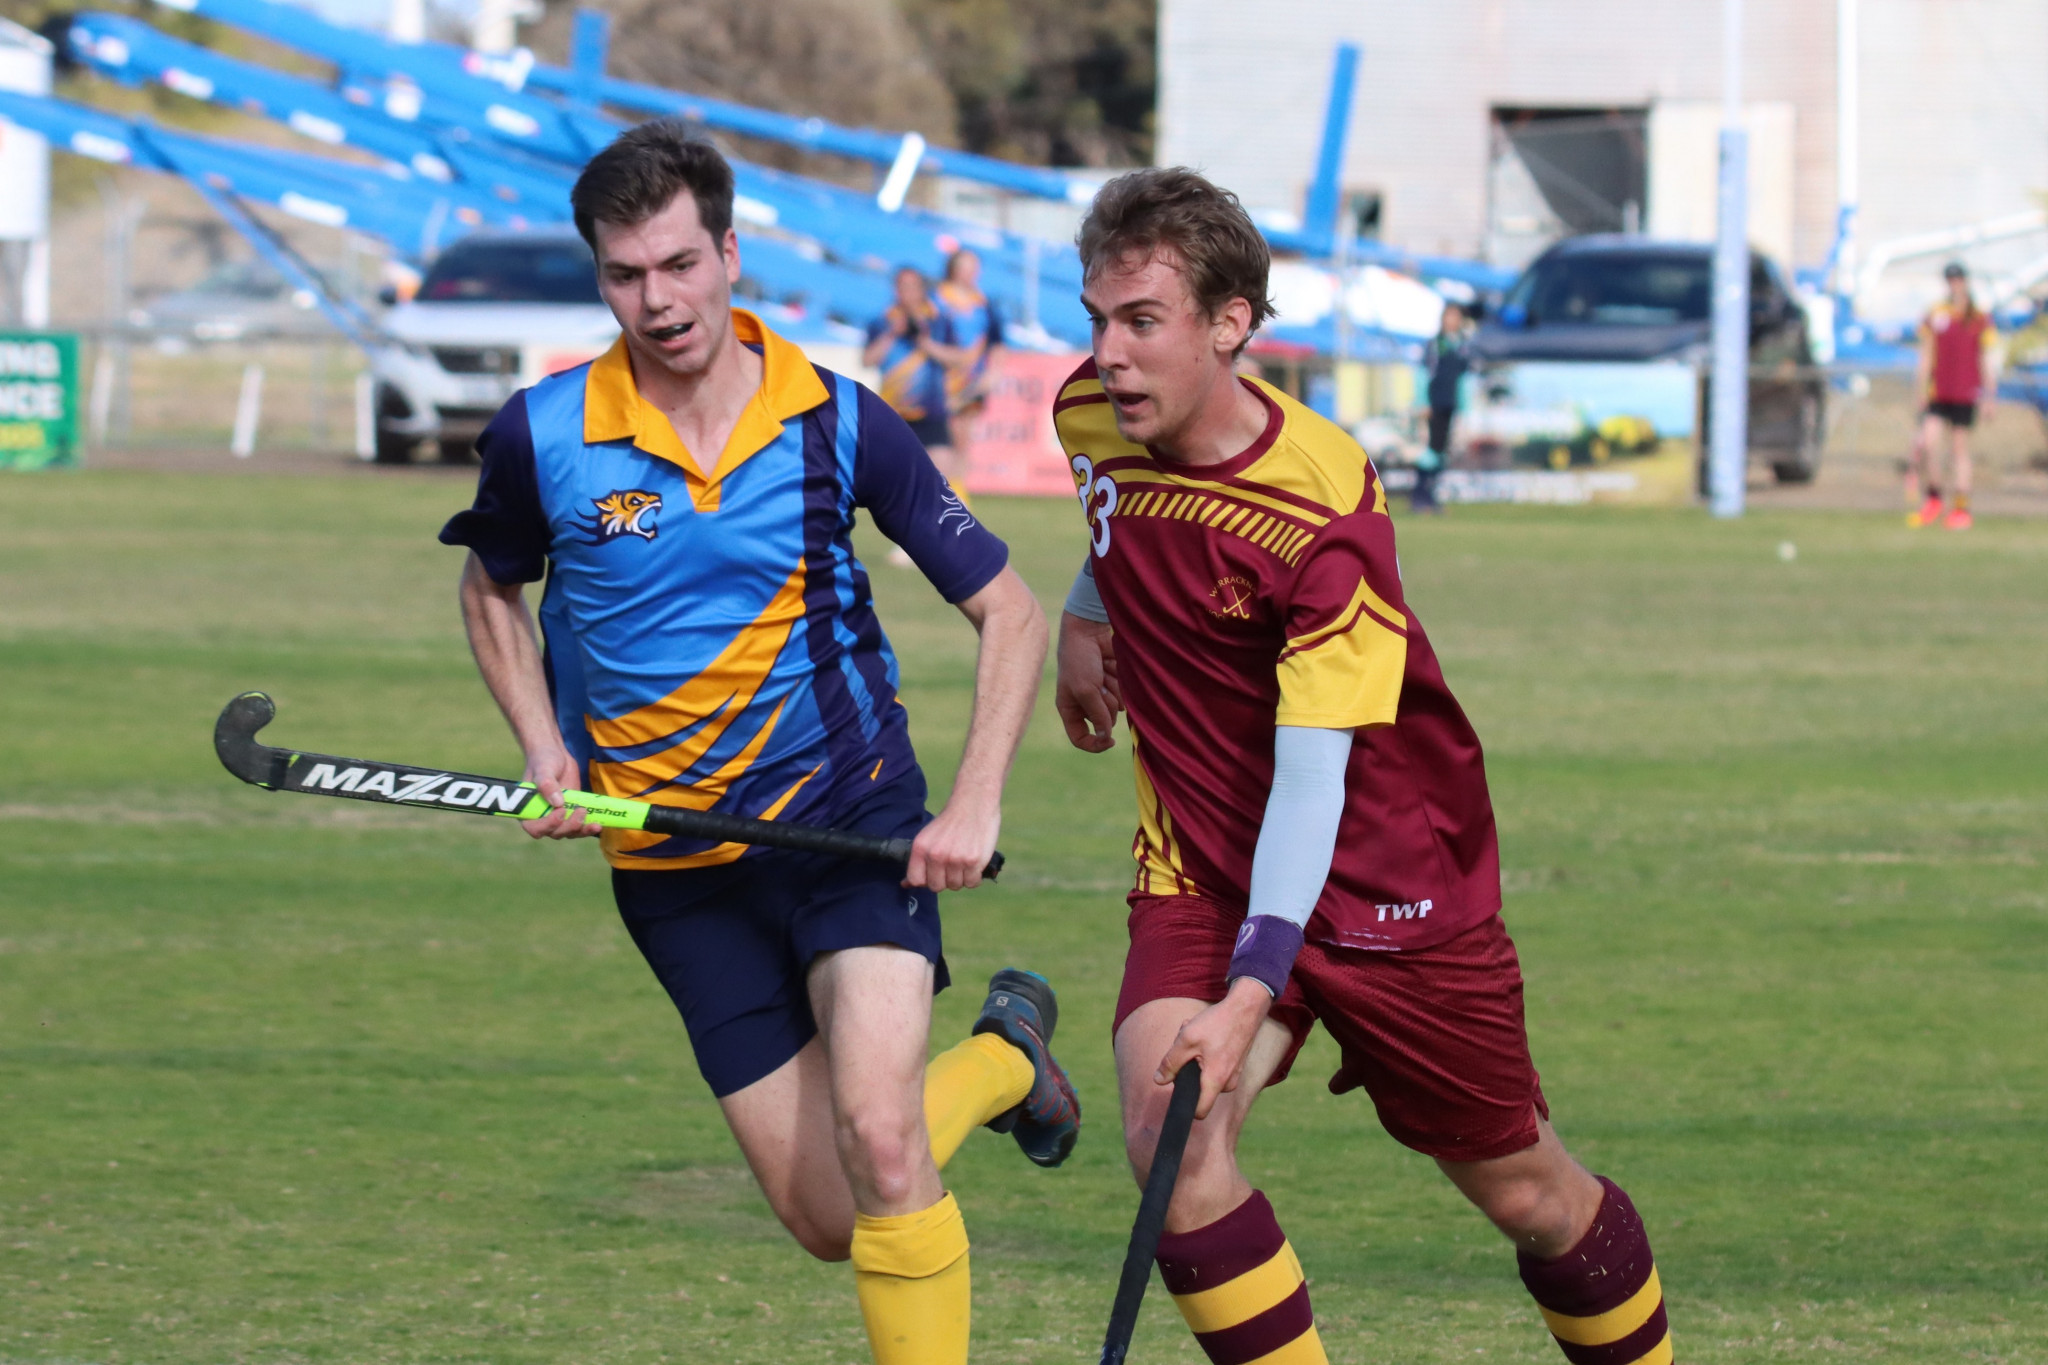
(1276, 418)
(613, 409)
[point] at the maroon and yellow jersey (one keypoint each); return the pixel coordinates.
(1962, 341)
(1264, 591)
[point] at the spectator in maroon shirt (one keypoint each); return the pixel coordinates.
(1958, 376)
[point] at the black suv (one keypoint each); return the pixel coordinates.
(1621, 298)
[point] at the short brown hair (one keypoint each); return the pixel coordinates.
(642, 172)
(1223, 254)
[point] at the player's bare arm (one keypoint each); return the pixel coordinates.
(951, 851)
(1086, 693)
(507, 650)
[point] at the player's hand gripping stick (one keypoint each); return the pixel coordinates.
(1151, 1221)
(398, 784)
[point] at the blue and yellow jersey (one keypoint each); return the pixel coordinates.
(710, 639)
(912, 382)
(977, 330)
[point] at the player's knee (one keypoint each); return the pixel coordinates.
(883, 1149)
(1208, 1155)
(1141, 1139)
(1526, 1210)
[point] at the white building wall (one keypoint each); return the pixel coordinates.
(1954, 128)
(1954, 119)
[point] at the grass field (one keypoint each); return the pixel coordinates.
(292, 1080)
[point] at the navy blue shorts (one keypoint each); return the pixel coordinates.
(732, 944)
(934, 430)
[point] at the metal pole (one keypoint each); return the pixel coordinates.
(407, 22)
(120, 215)
(25, 171)
(1728, 456)
(1031, 252)
(248, 413)
(1848, 148)
(102, 405)
(316, 417)
(366, 416)
(35, 284)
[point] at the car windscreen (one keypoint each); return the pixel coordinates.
(1616, 290)
(512, 272)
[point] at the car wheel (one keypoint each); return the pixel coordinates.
(394, 447)
(1804, 464)
(456, 449)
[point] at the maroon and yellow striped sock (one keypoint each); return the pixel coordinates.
(1241, 1290)
(1602, 1298)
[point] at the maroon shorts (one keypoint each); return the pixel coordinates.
(1434, 1034)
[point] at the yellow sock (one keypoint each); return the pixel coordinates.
(910, 1272)
(1241, 1290)
(1258, 1318)
(967, 1085)
(960, 492)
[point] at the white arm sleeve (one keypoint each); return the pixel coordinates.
(1298, 838)
(1083, 599)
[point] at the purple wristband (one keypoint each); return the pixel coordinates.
(1266, 948)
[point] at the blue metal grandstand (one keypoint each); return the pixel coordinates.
(487, 103)
(456, 140)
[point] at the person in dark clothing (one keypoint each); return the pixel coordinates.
(1448, 359)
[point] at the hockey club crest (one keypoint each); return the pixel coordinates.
(622, 512)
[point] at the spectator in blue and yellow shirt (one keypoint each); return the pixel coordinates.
(978, 332)
(708, 639)
(912, 345)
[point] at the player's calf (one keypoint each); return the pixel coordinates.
(1602, 1299)
(1583, 1253)
(1540, 1198)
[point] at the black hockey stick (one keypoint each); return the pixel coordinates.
(400, 784)
(1151, 1221)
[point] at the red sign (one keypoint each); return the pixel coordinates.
(1011, 446)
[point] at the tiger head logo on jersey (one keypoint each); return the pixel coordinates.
(623, 512)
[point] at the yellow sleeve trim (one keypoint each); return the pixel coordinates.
(1244, 1298)
(1347, 674)
(1333, 720)
(1362, 596)
(1612, 1325)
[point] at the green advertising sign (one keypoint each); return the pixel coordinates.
(38, 400)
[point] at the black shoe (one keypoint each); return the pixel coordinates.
(1023, 1010)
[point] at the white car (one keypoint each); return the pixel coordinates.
(496, 312)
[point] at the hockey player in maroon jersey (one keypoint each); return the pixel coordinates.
(1315, 837)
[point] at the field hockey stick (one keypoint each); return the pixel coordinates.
(401, 784)
(1151, 1221)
